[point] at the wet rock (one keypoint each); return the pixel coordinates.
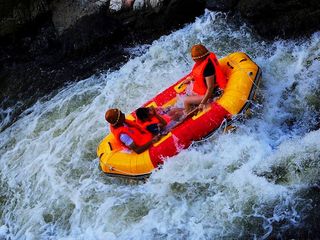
(15, 13)
(291, 18)
(272, 19)
(48, 43)
(67, 13)
(221, 5)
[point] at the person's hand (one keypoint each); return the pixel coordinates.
(156, 138)
(187, 80)
(153, 111)
(201, 106)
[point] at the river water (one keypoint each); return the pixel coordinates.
(259, 182)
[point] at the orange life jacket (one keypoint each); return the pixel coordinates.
(145, 124)
(137, 136)
(199, 85)
(153, 120)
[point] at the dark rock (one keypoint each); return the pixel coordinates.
(48, 43)
(284, 19)
(274, 19)
(15, 13)
(42, 49)
(221, 5)
(91, 33)
(182, 11)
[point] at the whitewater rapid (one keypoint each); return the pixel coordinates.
(258, 182)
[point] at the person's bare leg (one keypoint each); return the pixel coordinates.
(189, 101)
(176, 113)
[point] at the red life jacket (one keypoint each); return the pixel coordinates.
(145, 124)
(199, 85)
(153, 120)
(137, 136)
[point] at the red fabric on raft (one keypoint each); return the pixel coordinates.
(187, 132)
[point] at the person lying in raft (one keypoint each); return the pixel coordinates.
(148, 118)
(128, 133)
(207, 76)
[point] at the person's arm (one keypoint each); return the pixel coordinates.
(162, 122)
(154, 112)
(128, 141)
(188, 79)
(141, 149)
(210, 80)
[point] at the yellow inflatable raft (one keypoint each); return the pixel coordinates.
(243, 79)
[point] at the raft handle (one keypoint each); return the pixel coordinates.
(242, 60)
(229, 65)
(110, 146)
(180, 85)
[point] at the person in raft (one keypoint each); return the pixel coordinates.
(128, 133)
(148, 118)
(207, 76)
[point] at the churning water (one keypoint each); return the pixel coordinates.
(259, 182)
